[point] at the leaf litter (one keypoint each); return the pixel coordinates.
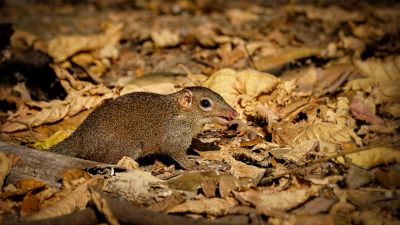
(316, 86)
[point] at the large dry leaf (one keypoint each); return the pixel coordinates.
(241, 89)
(62, 47)
(77, 199)
(224, 82)
(328, 132)
(285, 56)
(265, 200)
(299, 133)
(240, 169)
(373, 157)
(211, 206)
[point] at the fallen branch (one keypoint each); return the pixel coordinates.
(41, 165)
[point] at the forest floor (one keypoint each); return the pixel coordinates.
(316, 83)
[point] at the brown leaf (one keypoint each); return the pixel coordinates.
(77, 199)
(165, 38)
(30, 205)
(269, 62)
(316, 205)
(62, 47)
(373, 157)
(242, 170)
(332, 13)
(389, 177)
(81, 96)
(209, 206)
(128, 162)
(358, 177)
(5, 167)
(209, 187)
(266, 200)
(363, 111)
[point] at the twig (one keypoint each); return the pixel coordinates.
(249, 57)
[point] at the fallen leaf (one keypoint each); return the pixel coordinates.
(358, 177)
(30, 205)
(316, 205)
(363, 111)
(191, 181)
(277, 60)
(224, 82)
(373, 157)
(333, 14)
(81, 96)
(128, 162)
(209, 206)
(241, 170)
(5, 167)
(165, 38)
(266, 200)
(52, 140)
(209, 187)
(77, 199)
(238, 16)
(296, 134)
(62, 47)
(373, 216)
(389, 177)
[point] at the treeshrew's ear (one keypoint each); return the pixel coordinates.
(185, 99)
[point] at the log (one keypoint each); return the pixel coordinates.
(85, 216)
(42, 165)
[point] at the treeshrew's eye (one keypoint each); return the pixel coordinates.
(205, 103)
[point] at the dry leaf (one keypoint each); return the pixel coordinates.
(241, 170)
(5, 166)
(30, 205)
(328, 132)
(316, 205)
(165, 38)
(128, 162)
(224, 83)
(285, 56)
(238, 16)
(358, 177)
(373, 157)
(62, 47)
(77, 199)
(363, 111)
(52, 140)
(191, 181)
(209, 206)
(81, 96)
(333, 14)
(254, 83)
(265, 200)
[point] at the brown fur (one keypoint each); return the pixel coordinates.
(139, 124)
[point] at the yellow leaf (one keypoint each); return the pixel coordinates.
(373, 157)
